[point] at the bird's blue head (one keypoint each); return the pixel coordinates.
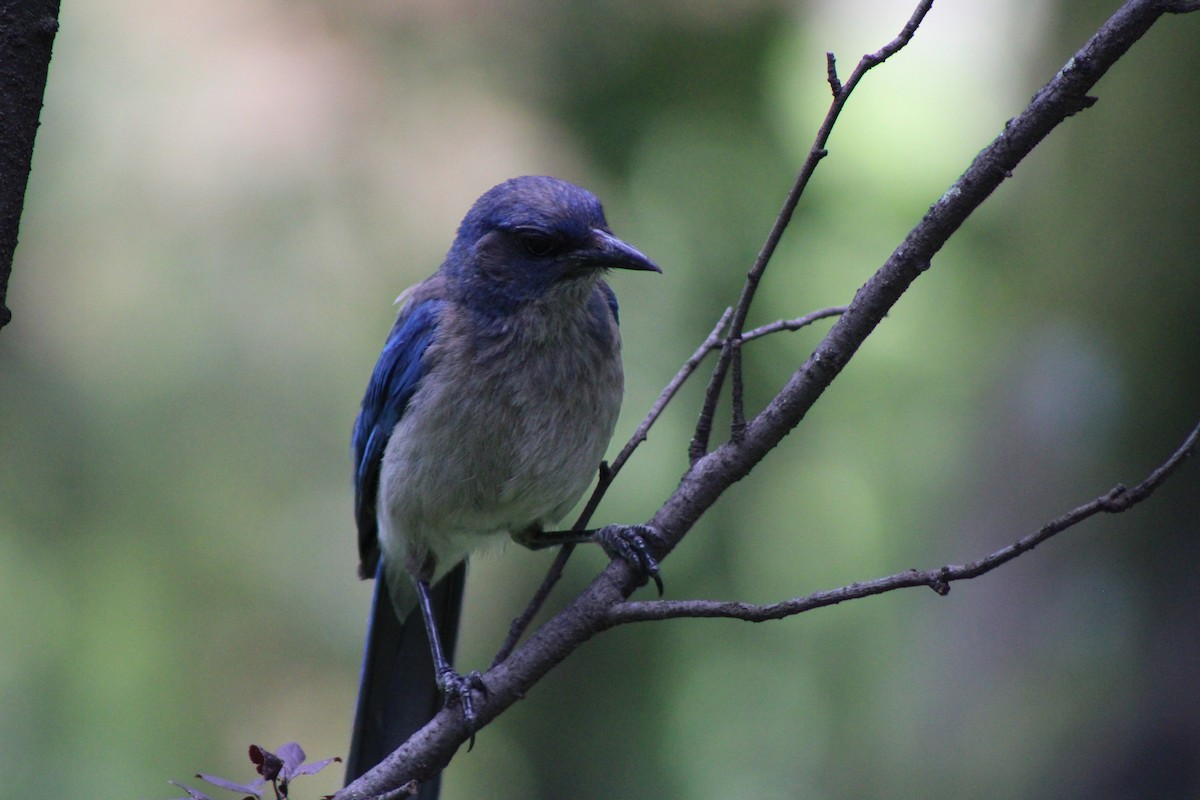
(532, 236)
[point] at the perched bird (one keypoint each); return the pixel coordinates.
(488, 413)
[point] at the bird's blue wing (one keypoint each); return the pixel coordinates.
(395, 379)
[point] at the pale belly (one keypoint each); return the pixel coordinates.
(462, 466)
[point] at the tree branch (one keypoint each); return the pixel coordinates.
(26, 34)
(1115, 501)
(428, 751)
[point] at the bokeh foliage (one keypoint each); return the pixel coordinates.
(225, 198)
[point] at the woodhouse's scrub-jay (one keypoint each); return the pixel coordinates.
(488, 413)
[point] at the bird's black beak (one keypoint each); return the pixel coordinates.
(609, 252)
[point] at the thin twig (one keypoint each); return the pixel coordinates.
(703, 433)
(896, 45)
(521, 623)
(1113, 502)
(835, 85)
(737, 413)
(794, 324)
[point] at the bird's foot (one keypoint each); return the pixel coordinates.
(629, 543)
(457, 689)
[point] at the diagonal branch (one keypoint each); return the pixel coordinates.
(432, 747)
(1115, 501)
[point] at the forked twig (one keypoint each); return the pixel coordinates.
(841, 93)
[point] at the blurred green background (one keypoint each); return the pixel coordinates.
(227, 195)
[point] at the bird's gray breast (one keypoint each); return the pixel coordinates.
(506, 430)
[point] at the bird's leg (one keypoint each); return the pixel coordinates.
(626, 542)
(454, 686)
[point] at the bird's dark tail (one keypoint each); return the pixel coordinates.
(398, 691)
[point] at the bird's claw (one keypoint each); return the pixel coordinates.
(457, 690)
(628, 543)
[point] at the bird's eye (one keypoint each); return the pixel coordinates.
(537, 243)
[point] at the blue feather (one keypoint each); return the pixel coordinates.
(393, 383)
